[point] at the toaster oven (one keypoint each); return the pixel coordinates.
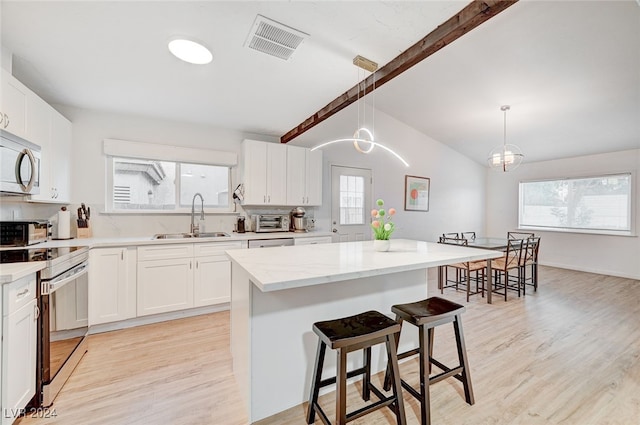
(23, 233)
(270, 223)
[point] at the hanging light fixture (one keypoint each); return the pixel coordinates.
(363, 139)
(506, 157)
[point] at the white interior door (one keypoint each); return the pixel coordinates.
(350, 203)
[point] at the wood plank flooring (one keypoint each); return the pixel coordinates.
(568, 354)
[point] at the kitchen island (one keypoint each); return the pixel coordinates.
(278, 293)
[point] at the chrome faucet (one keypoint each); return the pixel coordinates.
(195, 228)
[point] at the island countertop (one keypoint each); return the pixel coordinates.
(289, 267)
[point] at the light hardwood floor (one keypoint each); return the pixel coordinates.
(569, 354)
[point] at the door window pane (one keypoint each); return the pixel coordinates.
(351, 200)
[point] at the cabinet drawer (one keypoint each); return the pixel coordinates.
(18, 294)
(162, 252)
(312, 240)
(215, 248)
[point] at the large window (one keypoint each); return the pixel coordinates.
(147, 185)
(599, 204)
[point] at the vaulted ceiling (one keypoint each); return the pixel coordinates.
(569, 69)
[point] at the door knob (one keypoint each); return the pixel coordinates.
(335, 230)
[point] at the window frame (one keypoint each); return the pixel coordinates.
(109, 204)
(633, 196)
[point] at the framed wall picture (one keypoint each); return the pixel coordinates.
(416, 193)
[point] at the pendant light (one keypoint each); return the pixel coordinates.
(506, 157)
(363, 139)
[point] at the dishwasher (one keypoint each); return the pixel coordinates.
(268, 243)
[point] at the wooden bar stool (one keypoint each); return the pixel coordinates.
(359, 332)
(426, 315)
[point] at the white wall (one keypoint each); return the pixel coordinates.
(457, 195)
(89, 170)
(611, 255)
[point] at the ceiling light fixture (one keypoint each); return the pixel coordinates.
(363, 139)
(190, 51)
(505, 157)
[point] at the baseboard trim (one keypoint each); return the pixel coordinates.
(157, 318)
(590, 270)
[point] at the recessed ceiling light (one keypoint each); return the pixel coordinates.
(190, 51)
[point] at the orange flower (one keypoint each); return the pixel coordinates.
(376, 224)
(392, 211)
(374, 213)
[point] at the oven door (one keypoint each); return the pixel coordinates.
(64, 326)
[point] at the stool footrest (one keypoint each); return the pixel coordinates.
(351, 374)
(383, 402)
(408, 353)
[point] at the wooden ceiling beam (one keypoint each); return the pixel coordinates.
(474, 14)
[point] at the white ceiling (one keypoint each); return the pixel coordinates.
(569, 69)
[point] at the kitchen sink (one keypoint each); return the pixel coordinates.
(211, 235)
(191, 235)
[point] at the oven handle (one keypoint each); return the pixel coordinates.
(58, 282)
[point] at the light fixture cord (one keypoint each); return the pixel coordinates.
(505, 131)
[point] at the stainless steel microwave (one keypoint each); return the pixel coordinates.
(270, 223)
(19, 165)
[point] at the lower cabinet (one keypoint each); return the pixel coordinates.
(112, 284)
(19, 320)
(165, 285)
(180, 276)
(212, 279)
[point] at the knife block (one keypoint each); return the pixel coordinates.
(84, 232)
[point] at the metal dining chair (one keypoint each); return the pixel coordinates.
(512, 260)
(519, 235)
(470, 236)
(530, 259)
(463, 271)
(451, 235)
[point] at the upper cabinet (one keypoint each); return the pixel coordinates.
(26, 115)
(304, 176)
(280, 175)
(264, 173)
(13, 105)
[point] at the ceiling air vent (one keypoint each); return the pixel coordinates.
(274, 38)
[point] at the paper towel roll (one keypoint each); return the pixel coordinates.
(64, 224)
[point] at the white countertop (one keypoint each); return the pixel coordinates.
(12, 271)
(297, 266)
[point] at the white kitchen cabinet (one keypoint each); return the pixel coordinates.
(180, 276)
(18, 346)
(55, 176)
(112, 284)
(165, 283)
(304, 176)
(13, 105)
(212, 278)
(264, 173)
(314, 240)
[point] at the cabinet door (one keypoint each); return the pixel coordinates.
(112, 285)
(212, 281)
(254, 158)
(296, 176)
(18, 359)
(61, 157)
(276, 174)
(39, 132)
(314, 177)
(14, 105)
(164, 285)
